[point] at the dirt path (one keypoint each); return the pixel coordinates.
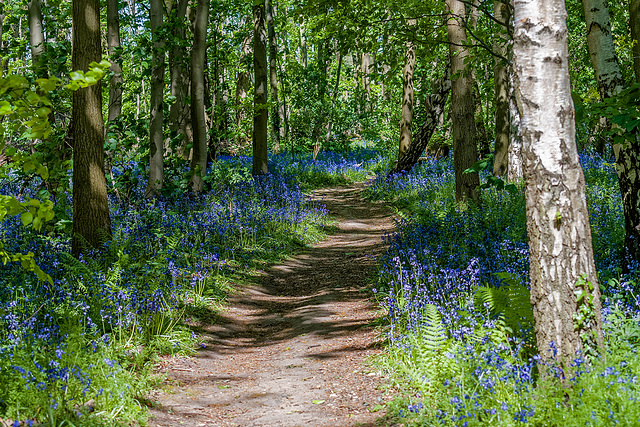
(290, 352)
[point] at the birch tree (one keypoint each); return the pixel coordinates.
(564, 285)
(610, 83)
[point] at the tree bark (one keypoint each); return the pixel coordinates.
(560, 248)
(335, 97)
(610, 83)
(406, 118)
(501, 96)
(179, 113)
(91, 221)
(516, 173)
(634, 24)
(273, 76)
(261, 113)
(420, 141)
(242, 87)
(465, 149)
(113, 43)
(198, 59)
(36, 39)
(156, 140)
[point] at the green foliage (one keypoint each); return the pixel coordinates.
(510, 306)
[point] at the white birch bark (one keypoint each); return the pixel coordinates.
(560, 247)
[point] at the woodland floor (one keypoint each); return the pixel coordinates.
(290, 350)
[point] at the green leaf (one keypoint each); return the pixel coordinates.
(27, 218)
(318, 402)
(5, 108)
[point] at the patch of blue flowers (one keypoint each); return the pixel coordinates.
(71, 342)
(462, 366)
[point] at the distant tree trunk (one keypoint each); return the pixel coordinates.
(304, 61)
(113, 43)
(242, 87)
(36, 38)
(198, 118)
(634, 24)
(482, 137)
(406, 118)
(610, 83)
(179, 114)
(335, 97)
(273, 76)
(501, 95)
(465, 149)
(561, 252)
(366, 63)
(91, 221)
(420, 141)
(261, 113)
(516, 172)
(322, 50)
(156, 141)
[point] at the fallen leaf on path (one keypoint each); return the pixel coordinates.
(317, 402)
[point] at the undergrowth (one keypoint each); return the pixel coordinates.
(461, 345)
(78, 351)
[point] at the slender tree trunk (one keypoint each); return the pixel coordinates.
(304, 59)
(366, 81)
(406, 119)
(156, 140)
(242, 87)
(434, 112)
(36, 38)
(179, 114)
(91, 221)
(322, 50)
(482, 138)
(561, 252)
(113, 43)
(501, 95)
(634, 24)
(610, 83)
(335, 97)
(273, 76)
(465, 149)
(261, 113)
(516, 172)
(198, 59)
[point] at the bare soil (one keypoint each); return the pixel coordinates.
(291, 350)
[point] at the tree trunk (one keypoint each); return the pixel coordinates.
(91, 221)
(198, 119)
(242, 87)
(179, 114)
(156, 141)
(516, 172)
(501, 96)
(610, 83)
(465, 149)
(420, 141)
(561, 252)
(261, 113)
(406, 119)
(366, 63)
(304, 59)
(113, 43)
(273, 76)
(335, 97)
(634, 24)
(36, 39)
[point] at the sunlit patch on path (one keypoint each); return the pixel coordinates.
(289, 350)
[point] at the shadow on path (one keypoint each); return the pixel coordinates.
(289, 351)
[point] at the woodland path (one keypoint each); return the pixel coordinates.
(301, 335)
